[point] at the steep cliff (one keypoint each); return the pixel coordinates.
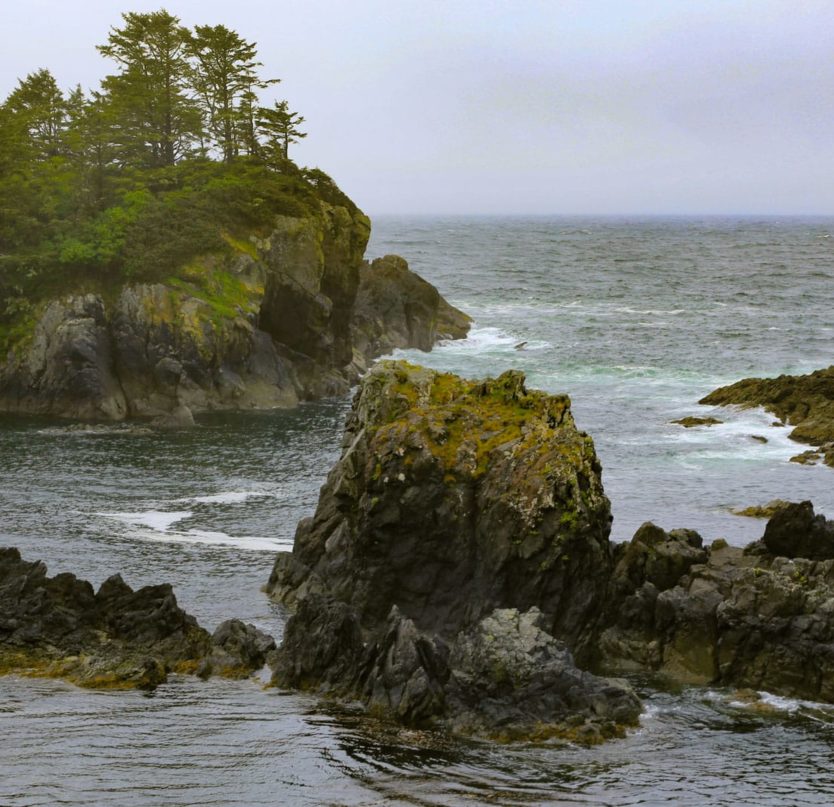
(266, 322)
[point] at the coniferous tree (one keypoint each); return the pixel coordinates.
(280, 127)
(225, 79)
(156, 120)
(41, 108)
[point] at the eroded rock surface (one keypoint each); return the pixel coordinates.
(455, 509)
(114, 637)
(722, 615)
(396, 308)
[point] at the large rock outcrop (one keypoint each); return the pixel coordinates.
(762, 617)
(114, 637)
(806, 402)
(456, 561)
(396, 308)
(272, 321)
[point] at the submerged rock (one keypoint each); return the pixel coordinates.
(806, 402)
(456, 507)
(690, 421)
(113, 638)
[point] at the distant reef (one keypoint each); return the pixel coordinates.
(458, 572)
(285, 313)
(805, 402)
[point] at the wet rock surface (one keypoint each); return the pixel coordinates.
(111, 638)
(458, 572)
(396, 308)
(455, 509)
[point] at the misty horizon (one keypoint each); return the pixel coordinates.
(478, 109)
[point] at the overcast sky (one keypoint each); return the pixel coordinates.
(522, 106)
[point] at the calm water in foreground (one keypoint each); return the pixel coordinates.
(636, 320)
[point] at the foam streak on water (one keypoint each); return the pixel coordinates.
(636, 320)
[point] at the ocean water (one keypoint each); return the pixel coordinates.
(635, 320)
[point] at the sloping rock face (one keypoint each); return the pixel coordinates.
(396, 308)
(727, 616)
(459, 512)
(269, 326)
(806, 402)
(113, 638)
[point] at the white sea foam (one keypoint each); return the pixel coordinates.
(229, 497)
(154, 519)
(155, 525)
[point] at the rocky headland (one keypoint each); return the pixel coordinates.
(113, 638)
(805, 402)
(274, 318)
(458, 572)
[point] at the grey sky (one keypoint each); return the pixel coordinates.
(567, 106)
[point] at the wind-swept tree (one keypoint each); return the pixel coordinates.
(157, 121)
(41, 109)
(279, 126)
(225, 78)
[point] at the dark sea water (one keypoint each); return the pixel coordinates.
(636, 320)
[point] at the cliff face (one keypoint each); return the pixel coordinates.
(263, 327)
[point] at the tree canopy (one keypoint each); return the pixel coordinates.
(133, 178)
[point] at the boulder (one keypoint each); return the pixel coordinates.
(794, 531)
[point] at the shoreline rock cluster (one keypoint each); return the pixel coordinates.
(296, 315)
(113, 638)
(458, 572)
(805, 402)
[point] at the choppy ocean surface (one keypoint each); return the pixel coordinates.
(636, 320)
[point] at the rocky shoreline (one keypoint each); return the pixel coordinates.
(297, 315)
(805, 402)
(113, 638)
(458, 572)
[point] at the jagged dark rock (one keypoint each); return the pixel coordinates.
(794, 531)
(690, 421)
(396, 308)
(113, 638)
(806, 402)
(274, 323)
(458, 571)
(456, 507)
(748, 618)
